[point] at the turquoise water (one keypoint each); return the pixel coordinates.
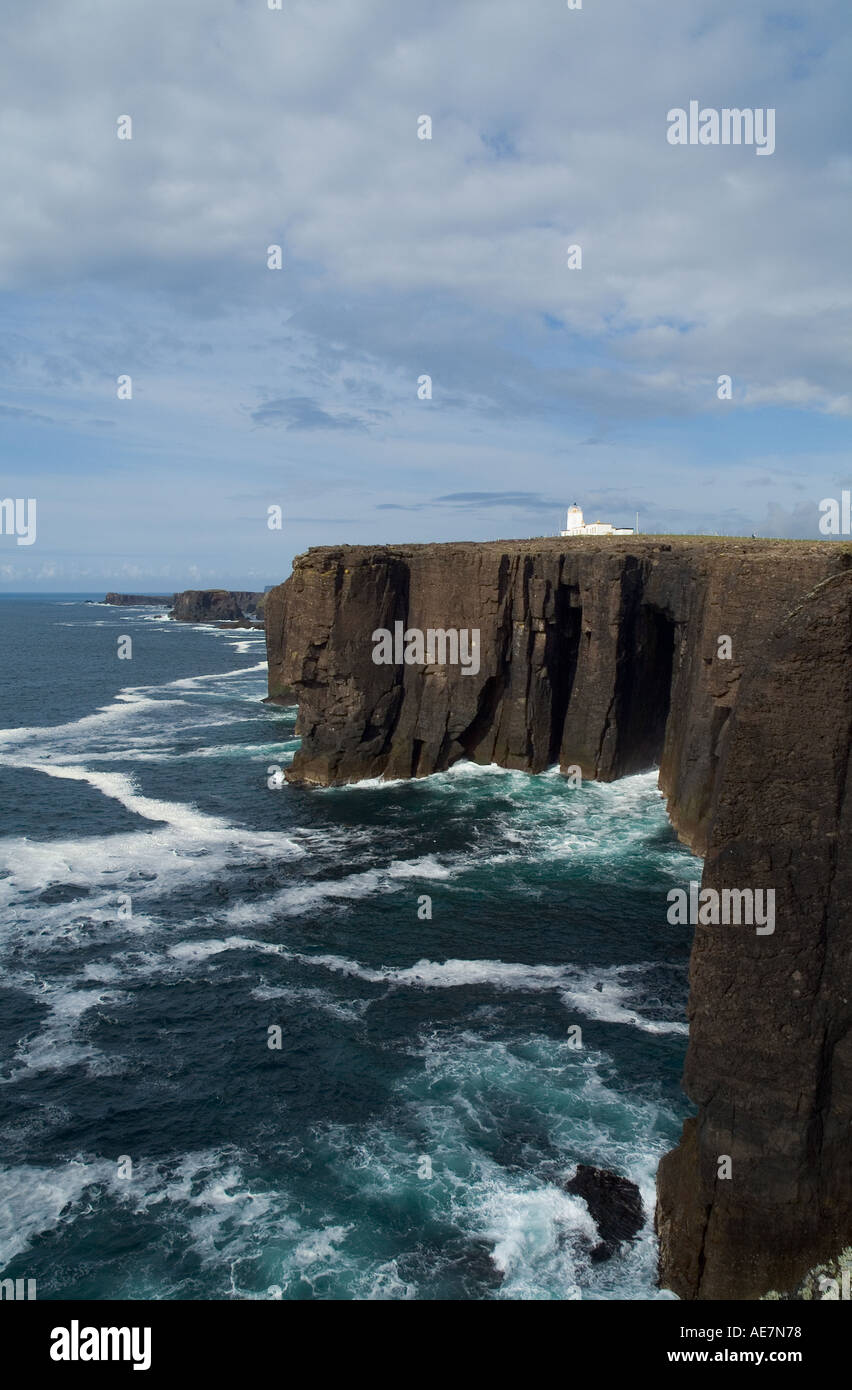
(409, 1136)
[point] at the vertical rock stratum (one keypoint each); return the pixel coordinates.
(606, 654)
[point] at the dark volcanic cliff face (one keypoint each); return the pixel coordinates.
(606, 654)
(215, 605)
(770, 1038)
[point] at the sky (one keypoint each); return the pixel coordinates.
(405, 257)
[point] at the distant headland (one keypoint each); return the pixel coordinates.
(242, 607)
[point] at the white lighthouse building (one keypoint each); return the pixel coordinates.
(576, 526)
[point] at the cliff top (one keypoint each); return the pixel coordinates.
(618, 545)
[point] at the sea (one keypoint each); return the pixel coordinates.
(261, 1041)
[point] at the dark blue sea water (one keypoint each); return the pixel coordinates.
(162, 908)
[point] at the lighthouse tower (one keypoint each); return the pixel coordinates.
(574, 521)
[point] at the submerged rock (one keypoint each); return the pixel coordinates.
(615, 1205)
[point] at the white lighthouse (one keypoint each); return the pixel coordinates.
(575, 526)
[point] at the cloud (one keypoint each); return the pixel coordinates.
(14, 412)
(476, 501)
(301, 413)
(301, 129)
(800, 393)
(529, 500)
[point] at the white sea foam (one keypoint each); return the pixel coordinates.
(191, 682)
(184, 850)
(203, 950)
(549, 820)
(601, 993)
(308, 894)
(127, 704)
(56, 1047)
(526, 1225)
(34, 1200)
(346, 1010)
(319, 1248)
(133, 703)
(142, 754)
(384, 1282)
(120, 787)
(205, 1192)
(609, 994)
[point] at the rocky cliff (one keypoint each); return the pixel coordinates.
(728, 664)
(140, 600)
(216, 605)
